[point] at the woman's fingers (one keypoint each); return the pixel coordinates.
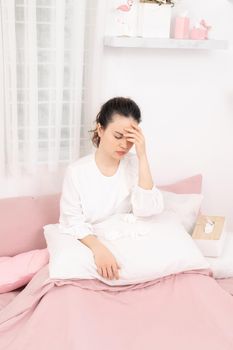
(109, 272)
(136, 131)
(132, 137)
(115, 272)
(105, 272)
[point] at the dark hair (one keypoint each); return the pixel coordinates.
(117, 105)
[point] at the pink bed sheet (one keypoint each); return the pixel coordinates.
(227, 284)
(6, 298)
(189, 310)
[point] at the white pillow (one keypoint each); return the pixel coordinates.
(222, 266)
(185, 206)
(164, 249)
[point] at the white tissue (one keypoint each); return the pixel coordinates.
(129, 218)
(209, 227)
(121, 225)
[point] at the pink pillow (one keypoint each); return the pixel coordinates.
(17, 271)
(191, 184)
(22, 220)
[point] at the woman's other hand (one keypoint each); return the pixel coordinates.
(106, 263)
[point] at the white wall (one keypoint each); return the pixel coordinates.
(186, 99)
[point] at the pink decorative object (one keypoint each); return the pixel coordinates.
(197, 34)
(200, 33)
(181, 28)
(123, 19)
(206, 27)
(125, 7)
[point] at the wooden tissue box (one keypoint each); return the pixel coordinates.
(209, 234)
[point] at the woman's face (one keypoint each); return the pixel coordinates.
(112, 140)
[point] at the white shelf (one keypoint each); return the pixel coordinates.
(160, 43)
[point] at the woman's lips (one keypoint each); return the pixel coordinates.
(121, 153)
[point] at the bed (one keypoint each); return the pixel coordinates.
(187, 310)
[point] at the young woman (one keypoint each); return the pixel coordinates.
(110, 180)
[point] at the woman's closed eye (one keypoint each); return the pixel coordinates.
(118, 138)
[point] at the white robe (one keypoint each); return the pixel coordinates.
(88, 196)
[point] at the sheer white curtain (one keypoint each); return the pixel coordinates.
(41, 85)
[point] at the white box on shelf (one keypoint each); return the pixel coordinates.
(154, 21)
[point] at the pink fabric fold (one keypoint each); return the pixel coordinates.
(183, 311)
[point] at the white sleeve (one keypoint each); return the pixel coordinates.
(72, 219)
(144, 202)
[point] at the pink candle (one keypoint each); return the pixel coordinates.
(181, 28)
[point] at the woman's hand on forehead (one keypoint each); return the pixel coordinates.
(134, 134)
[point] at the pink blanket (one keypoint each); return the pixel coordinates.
(184, 311)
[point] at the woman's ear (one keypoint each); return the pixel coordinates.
(99, 129)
